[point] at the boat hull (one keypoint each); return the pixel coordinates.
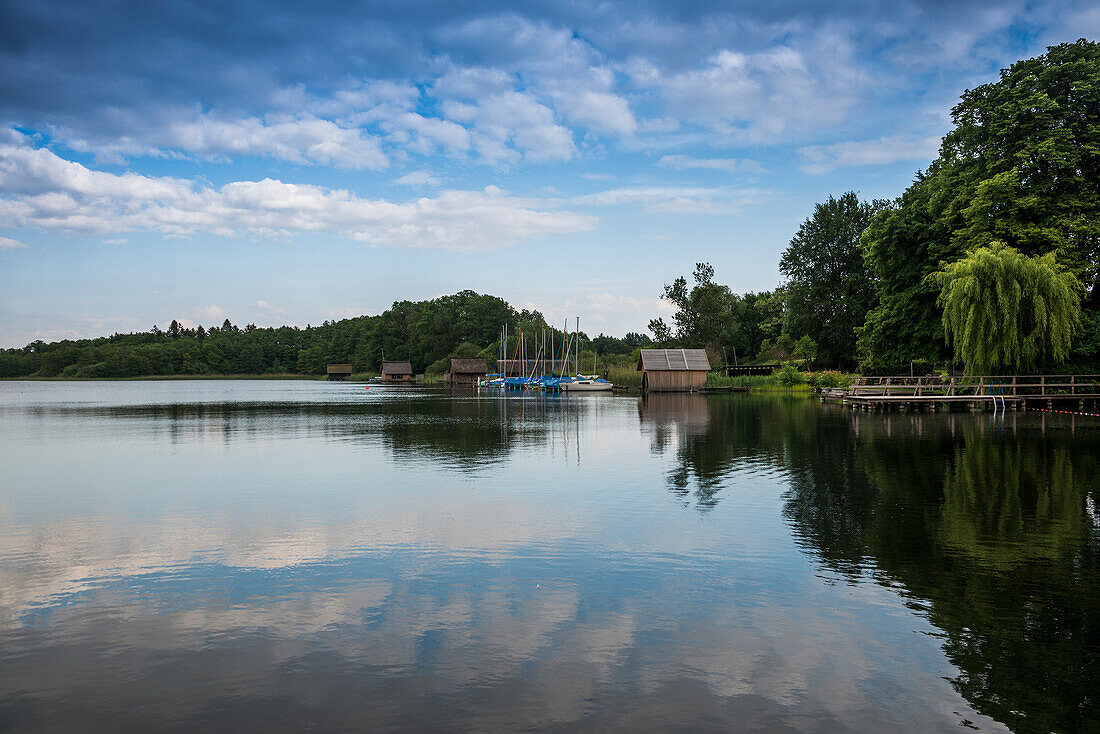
(586, 386)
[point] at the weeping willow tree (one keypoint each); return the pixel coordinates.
(1005, 311)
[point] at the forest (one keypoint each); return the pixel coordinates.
(426, 332)
(988, 261)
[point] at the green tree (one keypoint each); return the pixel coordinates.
(762, 318)
(662, 334)
(1005, 311)
(706, 314)
(1021, 166)
(829, 286)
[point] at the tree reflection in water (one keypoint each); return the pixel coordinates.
(992, 535)
(989, 531)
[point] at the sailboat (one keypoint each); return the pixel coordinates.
(587, 384)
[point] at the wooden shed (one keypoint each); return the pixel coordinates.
(339, 371)
(673, 370)
(397, 371)
(466, 371)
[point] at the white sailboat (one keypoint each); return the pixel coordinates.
(586, 385)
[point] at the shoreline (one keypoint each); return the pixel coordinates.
(628, 389)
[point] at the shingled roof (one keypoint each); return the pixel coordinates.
(397, 368)
(676, 360)
(461, 366)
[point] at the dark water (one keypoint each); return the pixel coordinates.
(287, 556)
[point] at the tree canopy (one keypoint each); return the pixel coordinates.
(1022, 167)
(1005, 311)
(829, 287)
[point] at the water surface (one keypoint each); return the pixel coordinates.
(286, 556)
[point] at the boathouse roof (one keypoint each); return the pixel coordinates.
(673, 360)
(339, 369)
(461, 366)
(397, 368)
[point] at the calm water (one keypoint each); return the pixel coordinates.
(286, 556)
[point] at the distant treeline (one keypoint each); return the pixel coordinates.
(425, 332)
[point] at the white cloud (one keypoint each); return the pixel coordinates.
(472, 83)
(822, 159)
(263, 304)
(598, 110)
(363, 103)
(304, 140)
(39, 189)
(676, 200)
(513, 119)
(7, 243)
(418, 178)
(598, 176)
(603, 307)
(763, 97)
(683, 162)
(116, 241)
(209, 314)
(424, 135)
(603, 311)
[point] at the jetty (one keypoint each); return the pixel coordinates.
(996, 392)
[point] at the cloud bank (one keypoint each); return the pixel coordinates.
(39, 189)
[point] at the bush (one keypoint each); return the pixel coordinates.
(828, 378)
(789, 376)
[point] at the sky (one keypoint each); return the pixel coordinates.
(290, 163)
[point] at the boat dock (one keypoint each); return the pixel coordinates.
(996, 392)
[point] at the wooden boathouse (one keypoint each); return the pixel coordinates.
(338, 371)
(466, 371)
(397, 371)
(997, 392)
(673, 370)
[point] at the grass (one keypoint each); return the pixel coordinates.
(625, 376)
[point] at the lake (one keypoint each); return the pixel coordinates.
(298, 555)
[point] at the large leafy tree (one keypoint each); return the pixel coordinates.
(706, 313)
(762, 318)
(1005, 311)
(829, 286)
(1022, 167)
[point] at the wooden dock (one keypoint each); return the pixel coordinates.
(989, 392)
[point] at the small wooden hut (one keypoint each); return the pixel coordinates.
(397, 371)
(339, 371)
(673, 370)
(466, 371)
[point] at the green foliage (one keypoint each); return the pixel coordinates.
(762, 318)
(786, 348)
(609, 345)
(1022, 167)
(1005, 311)
(828, 378)
(1086, 347)
(789, 375)
(829, 287)
(706, 315)
(424, 332)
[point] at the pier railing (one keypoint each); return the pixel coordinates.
(977, 386)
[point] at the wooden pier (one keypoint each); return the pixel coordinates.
(992, 392)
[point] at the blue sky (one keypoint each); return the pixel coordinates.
(295, 162)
